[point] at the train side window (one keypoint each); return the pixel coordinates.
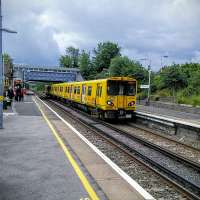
(74, 90)
(89, 90)
(97, 93)
(78, 90)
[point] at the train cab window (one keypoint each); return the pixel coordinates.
(112, 88)
(89, 90)
(121, 88)
(130, 88)
(78, 90)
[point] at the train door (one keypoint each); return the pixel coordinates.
(70, 92)
(98, 94)
(121, 99)
(83, 95)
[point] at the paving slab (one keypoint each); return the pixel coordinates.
(33, 166)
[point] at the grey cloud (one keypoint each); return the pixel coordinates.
(142, 27)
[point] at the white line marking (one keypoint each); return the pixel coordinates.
(13, 108)
(125, 176)
(9, 113)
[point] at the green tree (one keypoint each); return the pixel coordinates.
(123, 66)
(194, 82)
(85, 64)
(8, 65)
(103, 55)
(70, 59)
(172, 78)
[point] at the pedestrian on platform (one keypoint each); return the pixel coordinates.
(18, 93)
(10, 93)
(22, 94)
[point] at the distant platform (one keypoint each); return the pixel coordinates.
(183, 116)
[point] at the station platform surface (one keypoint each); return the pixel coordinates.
(34, 166)
(170, 113)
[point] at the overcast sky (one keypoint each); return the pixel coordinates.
(143, 28)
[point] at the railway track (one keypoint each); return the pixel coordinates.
(186, 151)
(179, 171)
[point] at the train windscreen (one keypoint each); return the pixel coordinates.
(127, 88)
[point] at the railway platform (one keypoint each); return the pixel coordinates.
(43, 158)
(170, 113)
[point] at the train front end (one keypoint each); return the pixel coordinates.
(121, 97)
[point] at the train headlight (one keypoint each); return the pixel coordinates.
(110, 103)
(132, 103)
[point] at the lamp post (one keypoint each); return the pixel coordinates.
(1, 68)
(149, 86)
(161, 59)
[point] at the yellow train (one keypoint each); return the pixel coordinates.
(109, 98)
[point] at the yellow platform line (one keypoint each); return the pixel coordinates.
(78, 171)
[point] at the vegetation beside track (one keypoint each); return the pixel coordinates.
(179, 83)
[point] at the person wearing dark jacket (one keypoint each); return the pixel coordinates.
(10, 93)
(18, 93)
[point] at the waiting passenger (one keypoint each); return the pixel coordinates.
(18, 93)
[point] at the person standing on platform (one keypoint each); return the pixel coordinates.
(10, 93)
(18, 93)
(22, 94)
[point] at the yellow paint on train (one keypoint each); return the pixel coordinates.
(111, 96)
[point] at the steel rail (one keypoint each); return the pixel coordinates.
(157, 148)
(148, 130)
(119, 143)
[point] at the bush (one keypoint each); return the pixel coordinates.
(195, 100)
(142, 95)
(163, 93)
(190, 100)
(155, 98)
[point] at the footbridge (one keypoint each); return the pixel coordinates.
(28, 73)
